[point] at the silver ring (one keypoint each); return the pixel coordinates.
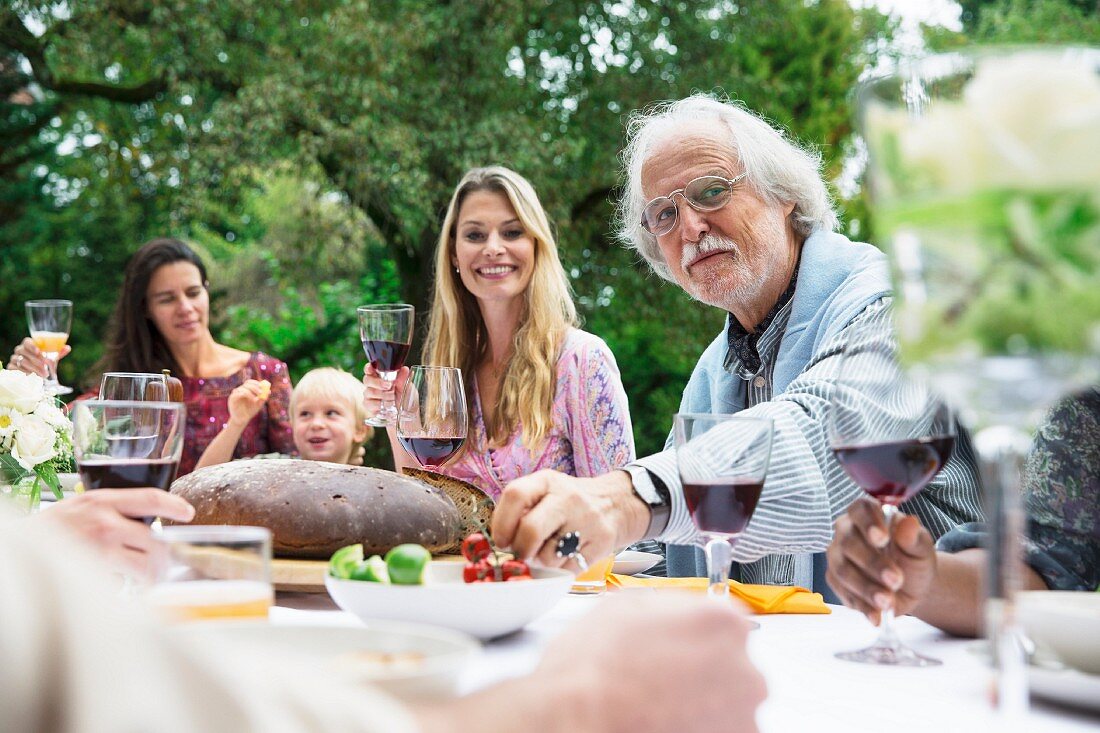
(19, 359)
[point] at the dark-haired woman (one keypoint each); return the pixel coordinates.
(162, 321)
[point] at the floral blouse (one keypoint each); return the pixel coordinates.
(1061, 497)
(207, 401)
(591, 432)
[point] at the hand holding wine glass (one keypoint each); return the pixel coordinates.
(890, 452)
(722, 460)
(431, 415)
(386, 331)
(49, 322)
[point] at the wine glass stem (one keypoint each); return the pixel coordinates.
(51, 368)
(719, 555)
(389, 402)
(887, 637)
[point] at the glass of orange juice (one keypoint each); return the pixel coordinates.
(214, 572)
(594, 578)
(49, 322)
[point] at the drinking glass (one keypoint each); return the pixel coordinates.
(49, 322)
(386, 331)
(431, 415)
(984, 173)
(891, 434)
(722, 460)
(133, 386)
(212, 572)
(123, 444)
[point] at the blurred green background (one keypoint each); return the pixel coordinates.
(308, 147)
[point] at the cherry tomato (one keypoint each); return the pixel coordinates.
(514, 568)
(479, 572)
(476, 547)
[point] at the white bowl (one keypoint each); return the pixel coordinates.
(1068, 622)
(411, 661)
(485, 610)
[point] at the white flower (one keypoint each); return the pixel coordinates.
(20, 391)
(34, 442)
(10, 419)
(1025, 122)
(52, 414)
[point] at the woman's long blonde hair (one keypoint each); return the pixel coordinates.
(456, 331)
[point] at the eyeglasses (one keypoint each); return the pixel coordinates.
(706, 193)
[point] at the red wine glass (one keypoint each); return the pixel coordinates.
(722, 460)
(891, 433)
(122, 444)
(431, 415)
(386, 331)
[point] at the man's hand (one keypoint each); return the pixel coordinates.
(247, 400)
(534, 511)
(872, 569)
(110, 520)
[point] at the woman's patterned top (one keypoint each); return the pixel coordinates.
(590, 435)
(207, 400)
(1061, 496)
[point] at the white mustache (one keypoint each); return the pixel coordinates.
(709, 243)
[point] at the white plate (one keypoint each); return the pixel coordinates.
(1068, 622)
(485, 610)
(1066, 686)
(412, 661)
(629, 562)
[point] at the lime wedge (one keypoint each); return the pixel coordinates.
(406, 564)
(345, 560)
(373, 569)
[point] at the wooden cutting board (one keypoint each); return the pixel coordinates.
(308, 576)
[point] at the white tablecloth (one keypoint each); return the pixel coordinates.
(808, 688)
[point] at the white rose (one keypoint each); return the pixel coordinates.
(34, 443)
(20, 391)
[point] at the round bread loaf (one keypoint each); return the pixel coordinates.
(315, 508)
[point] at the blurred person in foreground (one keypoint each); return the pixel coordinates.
(873, 567)
(722, 204)
(162, 321)
(63, 633)
(541, 393)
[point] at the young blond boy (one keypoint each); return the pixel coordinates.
(326, 417)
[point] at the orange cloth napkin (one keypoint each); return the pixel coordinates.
(759, 598)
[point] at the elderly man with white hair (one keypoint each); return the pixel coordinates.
(722, 204)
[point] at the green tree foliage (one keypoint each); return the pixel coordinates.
(310, 146)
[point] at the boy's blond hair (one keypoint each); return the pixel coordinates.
(334, 384)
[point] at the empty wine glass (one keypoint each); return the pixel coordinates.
(133, 386)
(49, 322)
(431, 415)
(722, 460)
(126, 444)
(386, 331)
(892, 435)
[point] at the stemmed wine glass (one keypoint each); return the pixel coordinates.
(722, 460)
(984, 167)
(133, 386)
(431, 415)
(128, 444)
(49, 322)
(386, 331)
(892, 435)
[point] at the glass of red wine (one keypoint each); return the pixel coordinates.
(722, 460)
(892, 434)
(125, 444)
(386, 331)
(431, 415)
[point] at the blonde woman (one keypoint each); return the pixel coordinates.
(541, 392)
